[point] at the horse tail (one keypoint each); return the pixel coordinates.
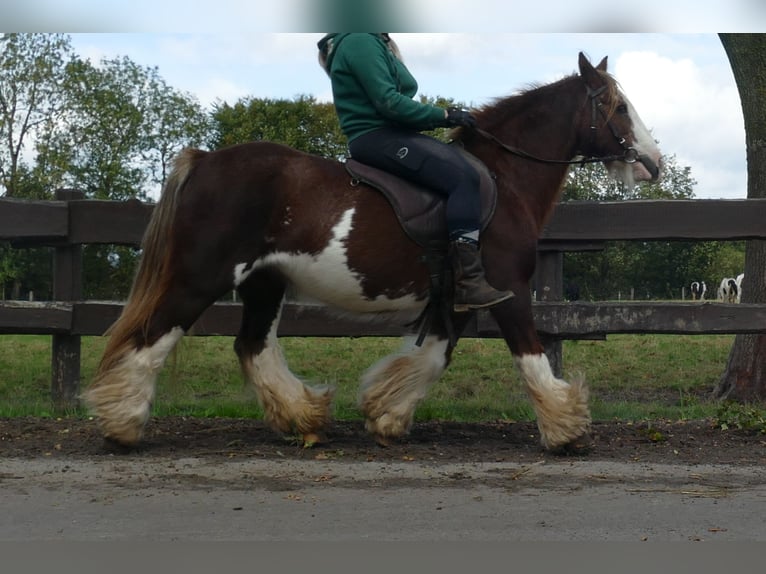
(152, 277)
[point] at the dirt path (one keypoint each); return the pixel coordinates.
(234, 480)
(696, 442)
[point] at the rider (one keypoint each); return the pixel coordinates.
(373, 95)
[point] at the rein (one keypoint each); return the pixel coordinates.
(627, 157)
(630, 155)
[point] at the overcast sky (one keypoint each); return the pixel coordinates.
(666, 56)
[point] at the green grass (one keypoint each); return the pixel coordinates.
(631, 377)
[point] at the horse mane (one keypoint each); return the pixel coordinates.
(500, 109)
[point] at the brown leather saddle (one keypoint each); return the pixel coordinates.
(421, 212)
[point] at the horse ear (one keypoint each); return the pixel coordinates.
(586, 65)
(587, 71)
(583, 63)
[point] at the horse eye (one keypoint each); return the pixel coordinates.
(622, 108)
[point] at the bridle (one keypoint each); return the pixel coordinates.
(629, 155)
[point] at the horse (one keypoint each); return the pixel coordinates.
(695, 289)
(278, 224)
(698, 290)
(728, 291)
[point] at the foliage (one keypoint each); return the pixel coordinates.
(10, 266)
(173, 120)
(302, 123)
(108, 271)
(31, 71)
(122, 126)
(733, 415)
(591, 182)
(109, 129)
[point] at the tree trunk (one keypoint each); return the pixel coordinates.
(745, 376)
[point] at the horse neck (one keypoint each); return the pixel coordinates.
(545, 127)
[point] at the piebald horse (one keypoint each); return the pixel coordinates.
(278, 224)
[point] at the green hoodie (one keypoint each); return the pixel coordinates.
(372, 88)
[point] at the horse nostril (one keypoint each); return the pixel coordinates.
(654, 169)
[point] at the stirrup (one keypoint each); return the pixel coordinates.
(465, 307)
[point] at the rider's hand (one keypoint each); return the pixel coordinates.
(458, 117)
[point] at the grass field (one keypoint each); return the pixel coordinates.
(631, 377)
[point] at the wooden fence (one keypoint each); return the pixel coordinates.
(71, 221)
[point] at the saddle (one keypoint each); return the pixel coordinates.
(420, 211)
(422, 214)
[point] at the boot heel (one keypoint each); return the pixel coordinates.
(471, 290)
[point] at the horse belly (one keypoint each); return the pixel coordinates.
(328, 279)
(324, 275)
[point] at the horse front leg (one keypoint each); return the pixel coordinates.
(289, 405)
(561, 407)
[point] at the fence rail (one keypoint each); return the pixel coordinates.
(563, 320)
(71, 221)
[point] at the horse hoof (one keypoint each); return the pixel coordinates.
(382, 441)
(581, 445)
(114, 446)
(310, 439)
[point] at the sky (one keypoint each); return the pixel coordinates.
(666, 55)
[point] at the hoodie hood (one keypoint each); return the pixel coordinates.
(327, 46)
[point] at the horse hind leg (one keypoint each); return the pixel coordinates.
(392, 388)
(289, 405)
(123, 390)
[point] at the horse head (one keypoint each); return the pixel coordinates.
(614, 129)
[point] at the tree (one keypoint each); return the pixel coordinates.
(745, 376)
(301, 123)
(31, 72)
(122, 124)
(173, 120)
(109, 129)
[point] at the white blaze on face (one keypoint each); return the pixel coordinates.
(644, 144)
(643, 140)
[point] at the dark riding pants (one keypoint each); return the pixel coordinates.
(428, 162)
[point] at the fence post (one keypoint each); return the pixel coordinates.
(65, 348)
(549, 282)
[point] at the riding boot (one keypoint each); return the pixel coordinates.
(471, 290)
